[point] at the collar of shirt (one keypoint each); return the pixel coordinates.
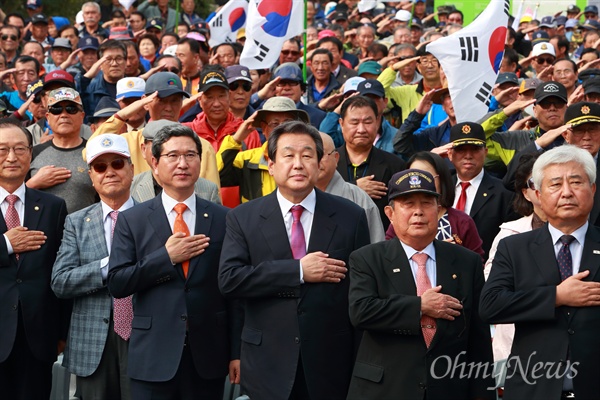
(576, 247)
(107, 210)
(429, 266)
(169, 203)
(475, 182)
(336, 72)
(308, 203)
(20, 193)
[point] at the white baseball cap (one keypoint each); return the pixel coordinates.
(351, 84)
(543, 48)
(403, 15)
(130, 87)
(104, 144)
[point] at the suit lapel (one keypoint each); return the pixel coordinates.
(273, 228)
(203, 222)
(595, 213)
(398, 270)
(320, 238)
(32, 214)
(158, 220)
(484, 193)
(95, 225)
(545, 260)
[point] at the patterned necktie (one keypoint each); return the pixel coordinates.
(428, 325)
(12, 216)
(297, 242)
(462, 200)
(181, 226)
(565, 262)
(122, 308)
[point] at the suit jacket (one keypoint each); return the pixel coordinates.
(166, 306)
(284, 319)
(25, 283)
(344, 74)
(142, 188)
(392, 357)
(521, 289)
(77, 275)
(381, 164)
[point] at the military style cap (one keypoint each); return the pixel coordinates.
(411, 181)
(467, 133)
(582, 113)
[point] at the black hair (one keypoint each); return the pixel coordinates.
(166, 133)
(27, 59)
(294, 127)
(194, 44)
(112, 44)
(521, 205)
(322, 51)
(15, 123)
(447, 192)
(332, 39)
(358, 102)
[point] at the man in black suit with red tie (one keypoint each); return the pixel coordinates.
(285, 255)
(32, 320)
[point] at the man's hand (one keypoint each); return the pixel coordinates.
(93, 71)
(181, 248)
(517, 105)
(546, 74)
(442, 151)
(46, 136)
(22, 240)
(318, 267)
(425, 103)
(403, 63)
(577, 95)
(547, 138)
(438, 305)
(375, 189)
(245, 129)
(575, 292)
(234, 372)
(48, 176)
(507, 95)
(152, 71)
(135, 107)
(6, 72)
(71, 60)
(23, 109)
(520, 124)
(268, 90)
(331, 102)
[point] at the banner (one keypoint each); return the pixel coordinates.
(227, 21)
(471, 58)
(270, 23)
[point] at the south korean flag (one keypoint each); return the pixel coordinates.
(471, 58)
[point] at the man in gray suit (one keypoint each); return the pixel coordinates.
(146, 185)
(100, 328)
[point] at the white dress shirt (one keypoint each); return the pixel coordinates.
(471, 191)
(19, 206)
(576, 246)
(189, 215)
(107, 225)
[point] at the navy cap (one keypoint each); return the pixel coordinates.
(416, 22)
(237, 73)
(35, 87)
(590, 24)
(157, 23)
(166, 84)
(288, 72)
(371, 86)
(33, 4)
(467, 133)
(561, 20)
(88, 42)
(591, 9)
(573, 9)
(106, 107)
(210, 78)
(548, 22)
(507, 77)
(539, 37)
(592, 85)
(411, 181)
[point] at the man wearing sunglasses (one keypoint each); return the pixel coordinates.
(240, 90)
(57, 166)
(9, 43)
(100, 326)
(544, 56)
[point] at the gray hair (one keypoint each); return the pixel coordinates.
(562, 155)
(91, 4)
(405, 46)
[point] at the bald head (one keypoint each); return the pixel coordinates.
(328, 164)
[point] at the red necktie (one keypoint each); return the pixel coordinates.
(122, 308)
(462, 200)
(181, 226)
(297, 242)
(427, 323)
(12, 216)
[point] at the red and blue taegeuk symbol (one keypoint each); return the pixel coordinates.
(277, 14)
(496, 47)
(237, 18)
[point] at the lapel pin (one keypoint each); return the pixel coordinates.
(485, 195)
(36, 208)
(596, 251)
(395, 270)
(453, 276)
(87, 219)
(205, 215)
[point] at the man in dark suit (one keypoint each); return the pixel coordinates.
(33, 320)
(416, 299)
(361, 162)
(478, 193)
(285, 255)
(546, 282)
(165, 253)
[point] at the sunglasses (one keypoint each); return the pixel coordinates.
(117, 164)
(247, 86)
(547, 104)
(37, 99)
(290, 52)
(287, 83)
(173, 70)
(541, 60)
(57, 110)
(11, 37)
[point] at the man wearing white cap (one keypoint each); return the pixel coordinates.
(100, 327)
(544, 56)
(129, 90)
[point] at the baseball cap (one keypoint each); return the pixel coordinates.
(325, 33)
(507, 77)
(237, 73)
(280, 104)
(241, 33)
(411, 181)
(445, 10)
(561, 20)
(210, 78)
(548, 22)
(525, 18)
(467, 133)
(64, 94)
(591, 9)
(403, 15)
(288, 72)
(39, 19)
(582, 113)
(591, 85)
(34, 87)
(120, 33)
(339, 15)
(371, 86)
(130, 87)
(166, 84)
(416, 23)
(543, 48)
(33, 4)
(106, 108)
(62, 43)
(529, 84)
(157, 23)
(588, 74)
(550, 89)
(88, 42)
(61, 76)
(590, 24)
(369, 67)
(571, 23)
(108, 143)
(152, 127)
(351, 84)
(573, 9)
(540, 37)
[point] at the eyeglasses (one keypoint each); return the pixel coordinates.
(57, 110)
(118, 60)
(11, 37)
(530, 184)
(173, 70)
(555, 103)
(429, 61)
(274, 124)
(175, 157)
(541, 60)
(564, 72)
(19, 150)
(331, 152)
(117, 164)
(247, 86)
(294, 53)
(287, 83)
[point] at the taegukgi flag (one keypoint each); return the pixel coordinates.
(471, 58)
(228, 20)
(270, 23)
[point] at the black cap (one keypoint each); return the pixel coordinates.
(34, 87)
(106, 107)
(340, 15)
(411, 181)
(507, 77)
(166, 84)
(371, 86)
(591, 9)
(573, 9)
(550, 89)
(467, 133)
(539, 37)
(211, 78)
(592, 85)
(588, 74)
(582, 113)
(39, 18)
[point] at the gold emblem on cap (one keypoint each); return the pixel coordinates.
(544, 46)
(130, 84)
(466, 129)
(585, 110)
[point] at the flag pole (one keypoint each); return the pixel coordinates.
(305, 42)
(176, 15)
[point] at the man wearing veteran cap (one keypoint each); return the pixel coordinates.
(162, 99)
(477, 193)
(57, 166)
(418, 297)
(131, 89)
(100, 326)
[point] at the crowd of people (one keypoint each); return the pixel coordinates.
(173, 219)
